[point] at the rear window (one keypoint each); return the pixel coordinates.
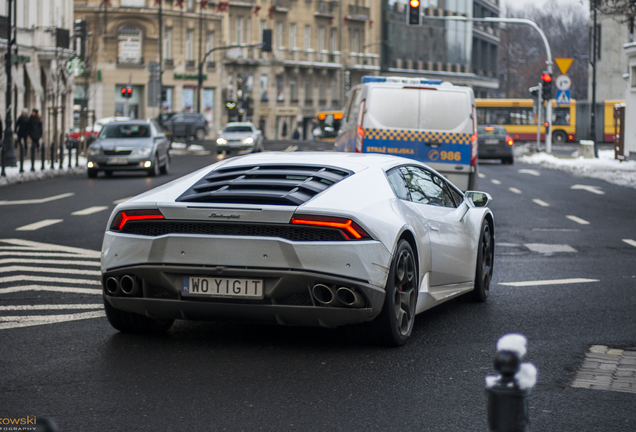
(399, 108)
(115, 130)
(491, 130)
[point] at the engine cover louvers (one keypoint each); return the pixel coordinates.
(267, 184)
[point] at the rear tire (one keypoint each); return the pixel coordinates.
(129, 322)
(485, 261)
(559, 136)
(394, 325)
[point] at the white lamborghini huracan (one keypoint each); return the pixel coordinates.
(315, 239)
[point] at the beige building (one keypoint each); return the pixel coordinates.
(320, 48)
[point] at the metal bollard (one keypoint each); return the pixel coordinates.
(42, 155)
(53, 155)
(3, 172)
(32, 156)
(61, 155)
(21, 157)
(70, 156)
(508, 392)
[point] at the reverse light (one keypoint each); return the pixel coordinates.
(125, 216)
(350, 229)
(509, 141)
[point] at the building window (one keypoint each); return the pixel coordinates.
(307, 44)
(132, 3)
(279, 35)
(292, 91)
(190, 5)
(239, 30)
(166, 106)
(189, 45)
(264, 88)
(633, 76)
(187, 98)
(308, 95)
(167, 43)
(209, 44)
(280, 97)
(321, 38)
(292, 36)
(129, 47)
(333, 39)
(355, 41)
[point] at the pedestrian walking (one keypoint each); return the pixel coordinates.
(35, 128)
(22, 127)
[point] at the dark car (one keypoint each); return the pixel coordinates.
(495, 143)
(185, 125)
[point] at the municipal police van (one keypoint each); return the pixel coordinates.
(427, 120)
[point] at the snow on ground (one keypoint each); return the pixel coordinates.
(604, 168)
(13, 174)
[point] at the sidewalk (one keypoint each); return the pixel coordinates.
(604, 168)
(13, 174)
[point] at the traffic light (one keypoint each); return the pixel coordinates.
(126, 92)
(534, 91)
(81, 33)
(267, 41)
(546, 92)
(414, 13)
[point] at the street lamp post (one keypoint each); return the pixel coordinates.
(9, 153)
(593, 110)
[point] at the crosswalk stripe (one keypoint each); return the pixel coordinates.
(50, 288)
(27, 245)
(34, 254)
(50, 319)
(24, 278)
(52, 307)
(630, 242)
(89, 211)
(46, 261)
(15, 269)
(39, 225)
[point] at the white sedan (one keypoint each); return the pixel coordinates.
(240, 138)
(314, 239)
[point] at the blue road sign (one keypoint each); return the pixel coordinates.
(563, 97)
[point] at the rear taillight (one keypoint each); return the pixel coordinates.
(509, 141)
(360, 130)
(123, 217)
(350, 229)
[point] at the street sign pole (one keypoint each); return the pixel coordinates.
(539, 110)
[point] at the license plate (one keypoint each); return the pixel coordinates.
(492, 141)
(223, 287)
(117, 161)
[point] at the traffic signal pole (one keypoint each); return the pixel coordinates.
(548, 62)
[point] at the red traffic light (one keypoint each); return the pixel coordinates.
(546, 77)
(129, 91)
(123, 91)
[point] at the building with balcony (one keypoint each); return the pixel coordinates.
(462, 52)
(320, 49)
(39, 76)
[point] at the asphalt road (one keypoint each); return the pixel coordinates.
(241, 377)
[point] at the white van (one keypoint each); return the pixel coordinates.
(430, 121)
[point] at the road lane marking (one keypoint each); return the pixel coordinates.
(495, 181)
(23, 278)
(37, 201)
(529, 171)
(594, 189)
(549, 282)
(38, 225)
(549, 248)
(50, 288)
(15, 269)
(507, 244)
(29, 321)
(481, 175)
(578, 220)
(28, 245)
(515, 190)
(291, 148)
(630, 242)
(52, 307)
(45, 261)
(89, 211)
(541, 203)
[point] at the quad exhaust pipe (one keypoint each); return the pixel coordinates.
(328, 295)
(127, 285)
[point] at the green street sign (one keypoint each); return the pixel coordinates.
(17, 58)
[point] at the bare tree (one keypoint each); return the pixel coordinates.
(624, 10)
(522, 56)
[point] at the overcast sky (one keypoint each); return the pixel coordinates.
(518, 4)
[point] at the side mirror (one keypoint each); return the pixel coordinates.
(477, 199)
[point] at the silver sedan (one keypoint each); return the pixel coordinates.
(240, 138)
(134, 145)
